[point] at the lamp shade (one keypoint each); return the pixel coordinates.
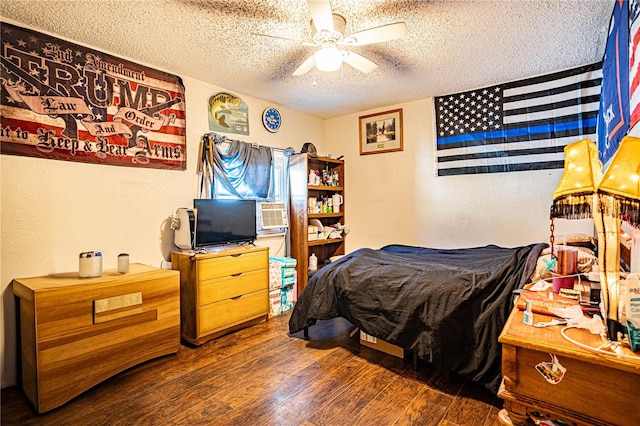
(619, 190)
(573, 197)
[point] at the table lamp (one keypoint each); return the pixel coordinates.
(584, 192)
(575, 196)
(618, 199)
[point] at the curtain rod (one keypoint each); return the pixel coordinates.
(288, 149)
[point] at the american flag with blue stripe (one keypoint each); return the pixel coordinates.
(520, 125)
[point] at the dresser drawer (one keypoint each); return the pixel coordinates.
(221, 288)
(230, 265)
(229, 312)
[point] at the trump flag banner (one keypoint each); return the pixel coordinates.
(516, 126)
(64, 101)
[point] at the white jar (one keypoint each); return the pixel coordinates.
(313, 262)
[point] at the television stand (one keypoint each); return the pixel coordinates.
(222, 290)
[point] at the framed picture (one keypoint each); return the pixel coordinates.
(381, 132)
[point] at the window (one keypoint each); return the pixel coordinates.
(280, 177)
(279, 182)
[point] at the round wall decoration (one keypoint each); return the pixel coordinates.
(271, 119)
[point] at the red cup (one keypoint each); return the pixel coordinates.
(559, 282)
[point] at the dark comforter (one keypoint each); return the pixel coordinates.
(447, 305)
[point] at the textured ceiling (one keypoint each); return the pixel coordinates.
(451, 45)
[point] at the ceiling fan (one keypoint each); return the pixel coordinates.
(328, 31)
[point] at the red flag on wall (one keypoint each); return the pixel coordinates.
(64, 101)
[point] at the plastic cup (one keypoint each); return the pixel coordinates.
(560, 282)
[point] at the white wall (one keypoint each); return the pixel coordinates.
(52, 210)
(395, 197)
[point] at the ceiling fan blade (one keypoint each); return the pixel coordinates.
(377, 34)
(305, 67)
(321, 14)
(358, 62)
(303, 42)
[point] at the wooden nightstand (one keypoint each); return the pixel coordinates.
(596, 389)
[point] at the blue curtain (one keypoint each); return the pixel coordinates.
(241, 169)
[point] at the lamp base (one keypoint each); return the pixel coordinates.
(613, 326)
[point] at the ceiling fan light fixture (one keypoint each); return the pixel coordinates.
(328, 58)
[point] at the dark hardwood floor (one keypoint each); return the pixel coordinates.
(263, 376)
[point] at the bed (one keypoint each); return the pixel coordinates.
(445, 306)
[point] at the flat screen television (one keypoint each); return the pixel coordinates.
(220, 222)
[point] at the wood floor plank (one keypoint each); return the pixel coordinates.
(427, 408)
(264, 376)
(325, 384)
(443, 381)
(259, 378)
(277, 408)
(185, 385)
(473, 405)
(390, 404)
(15, 406)
(205, 379)
(492, 417)
(368, 383)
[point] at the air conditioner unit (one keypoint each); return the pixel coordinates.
(273, 215)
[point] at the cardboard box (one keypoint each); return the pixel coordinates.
(285, 262)
(381, 345)
(275, 303)
(286, 298)
(282, 271)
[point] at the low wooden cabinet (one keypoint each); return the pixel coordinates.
(76, 332)
(595, 389)
(222, 290)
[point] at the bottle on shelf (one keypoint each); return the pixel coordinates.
(313, 262)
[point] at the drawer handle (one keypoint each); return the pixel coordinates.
(237, 297)
(236, 275)
(117, 302)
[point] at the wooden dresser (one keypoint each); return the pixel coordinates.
(595, 389)
(76, 332)
(222, 290)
